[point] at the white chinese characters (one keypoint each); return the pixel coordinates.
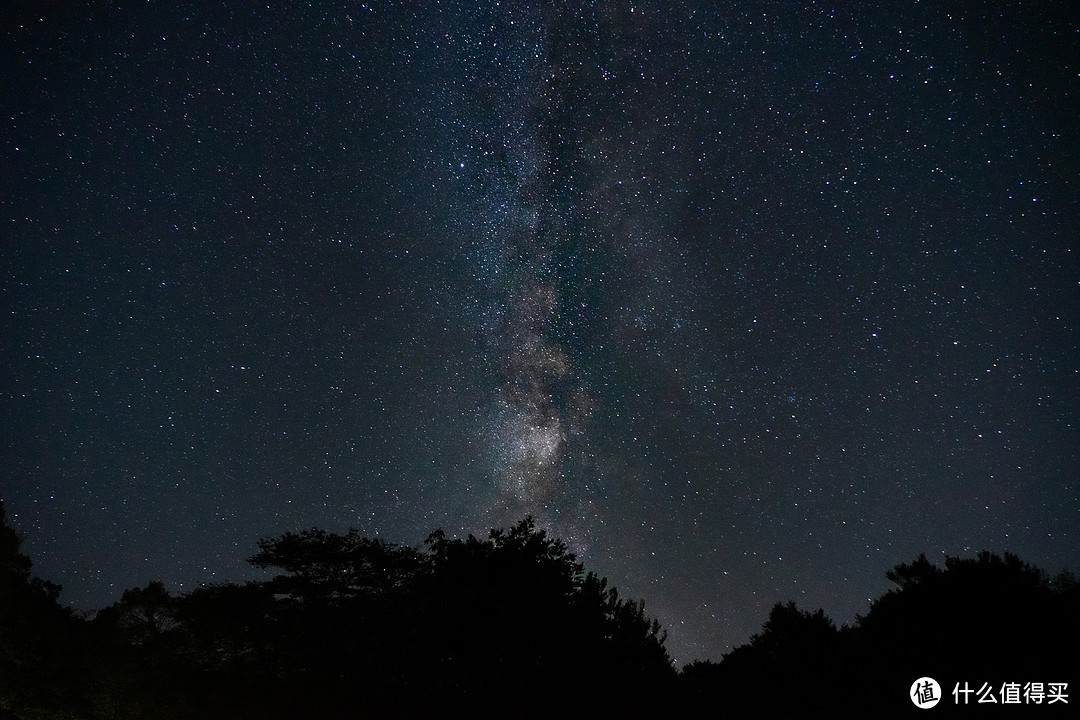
(1012, 693)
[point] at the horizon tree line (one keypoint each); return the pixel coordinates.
(511, 625)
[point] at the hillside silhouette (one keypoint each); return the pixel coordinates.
(508, 626)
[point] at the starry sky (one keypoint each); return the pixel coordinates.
(746, 301)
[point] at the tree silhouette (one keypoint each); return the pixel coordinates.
(985, 619)
(784, 671)
(511, 625)
(36, 635)
(988, 618)
(469, 625)
(517, 616)
(322, 566)
(143, 615)
(230, 628)
(339, 615)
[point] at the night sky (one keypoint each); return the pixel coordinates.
(748, 302)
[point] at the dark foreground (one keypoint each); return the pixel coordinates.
(513, 627)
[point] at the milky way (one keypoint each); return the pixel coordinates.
(537, 408)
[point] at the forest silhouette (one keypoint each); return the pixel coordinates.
(511, 626)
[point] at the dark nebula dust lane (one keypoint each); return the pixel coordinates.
(747, 303)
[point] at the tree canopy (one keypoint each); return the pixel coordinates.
(990, 618)
(511, 625)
